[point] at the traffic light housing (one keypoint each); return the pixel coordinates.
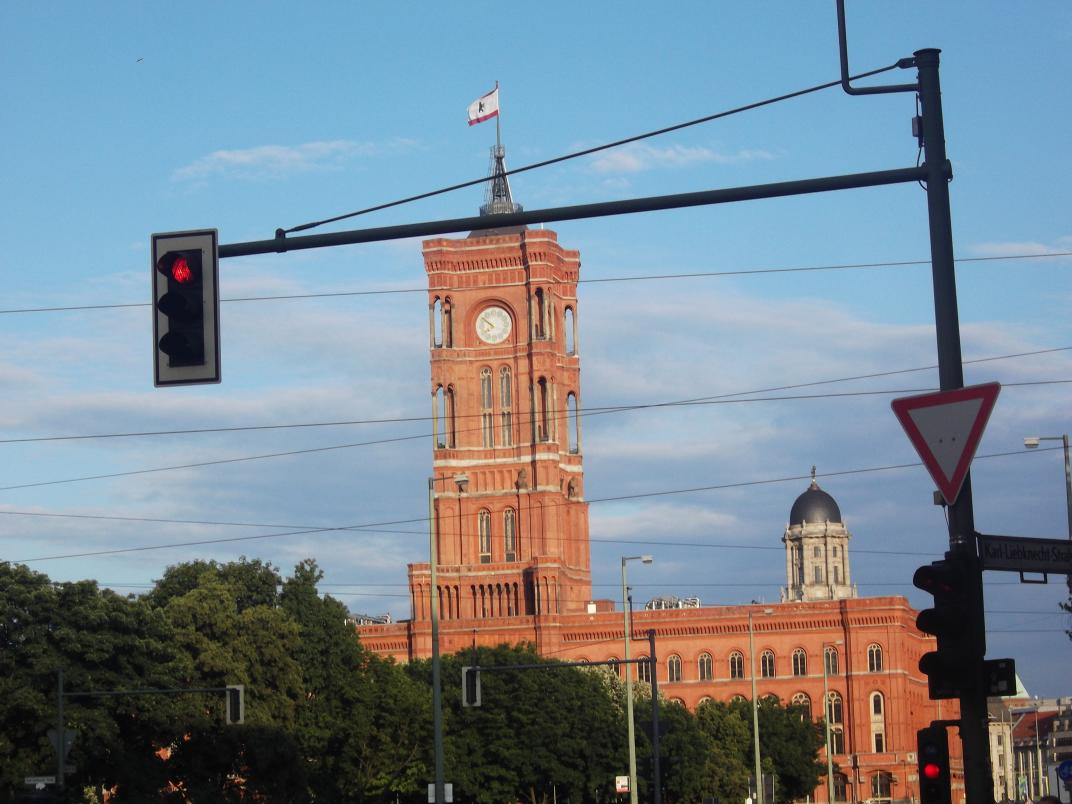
(186, 307)
(235, 704)
(955, 620)
(932, 752)
(470, 686)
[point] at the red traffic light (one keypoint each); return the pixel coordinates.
(177, 266)
(180, 271)
(931, 770)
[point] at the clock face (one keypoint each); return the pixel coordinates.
(493, 325)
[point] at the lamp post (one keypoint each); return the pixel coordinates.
(755, 706)
(826, 720)
(462, 481)
(1032, 442)
(629, 678)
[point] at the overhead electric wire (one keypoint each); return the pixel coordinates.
(617, 498)
(586, 411)
(597, 280)
(588, 151)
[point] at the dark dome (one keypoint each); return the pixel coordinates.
(814, 505)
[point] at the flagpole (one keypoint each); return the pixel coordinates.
(498, 133)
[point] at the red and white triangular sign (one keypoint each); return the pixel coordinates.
(945, 428)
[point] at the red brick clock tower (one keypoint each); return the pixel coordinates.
(511, 521)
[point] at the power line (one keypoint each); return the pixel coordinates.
(585, 152)
(617, 498)
(599, 280)
(585, 412)
(396, 439)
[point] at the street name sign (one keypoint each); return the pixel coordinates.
(39, 780)
(945, 428)
(1020, 554)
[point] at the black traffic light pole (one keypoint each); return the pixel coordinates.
(973, 725)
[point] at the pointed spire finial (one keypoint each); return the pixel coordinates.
(497, 198)
(813, 483)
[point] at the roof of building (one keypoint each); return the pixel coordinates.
(814, 505)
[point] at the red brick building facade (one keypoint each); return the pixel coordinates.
(512, 533)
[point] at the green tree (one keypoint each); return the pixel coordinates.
(730, 747)
(789, 746)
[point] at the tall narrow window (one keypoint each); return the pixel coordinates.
(439, 405)
(706, 667)
(448, 323)
(880, 785)
(766, 664)
(569, 330)
(506, 406)
(643, 670)
(574, 423)
(484, 531)
(451, 438)
(673, 669)
(436, 315)
(874, 658)
(540, 316)
(841, 787)
(831, 657)
(542, 399)
(802, 701)
(834, 709)
(800, 662)
(736, 665)
(485, 407)
(818, 574)
(509, 535)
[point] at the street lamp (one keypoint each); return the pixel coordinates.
(755, 707)
(462, 482)
(629, 677)
(826, 720)
(1032, 442)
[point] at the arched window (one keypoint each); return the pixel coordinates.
(706, 667)
(643, 670)
(509, 535)
(540, 316)
(841, 787)
(800, 662)
(703, 700)
(451, 429)
(736, 665)
(569, 322)
(881, 785)
(802, 700)
(439, 408)
(543, 426)
(737, 699)
(673, 669)
(877, 707)
(766, 664)
(574, 423)
(436, 316)
(483, 521)
(614, 666)
(878, 722)
(834, 709)
(486, 424)
(874, 658)
(506, 405)
(831, 657)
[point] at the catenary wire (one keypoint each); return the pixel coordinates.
(587, 411)
(597, 280)
(522, 420)
(588, 151)
(617, 498)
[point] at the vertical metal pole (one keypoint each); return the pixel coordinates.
(973, 724)
(656, 795)
(60, 729)
(631, 737)
(826, 719)
(755, 713)
(437, 693)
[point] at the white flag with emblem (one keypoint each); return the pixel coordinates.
(485, 107)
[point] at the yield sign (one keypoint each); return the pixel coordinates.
(945, 428)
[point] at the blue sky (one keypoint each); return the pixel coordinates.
(126, 119)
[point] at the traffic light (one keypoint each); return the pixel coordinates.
(235, 704)
(954, 667)
(186, 308)
(932, 751)
(470, 686)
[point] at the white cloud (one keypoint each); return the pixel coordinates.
(1015, 248)
(273, 161)
(638, 157)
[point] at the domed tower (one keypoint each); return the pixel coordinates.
(816, 549)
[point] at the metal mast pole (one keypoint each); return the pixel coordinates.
(973, 722)
(437, 690)
(630, 736)
(755, 713)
